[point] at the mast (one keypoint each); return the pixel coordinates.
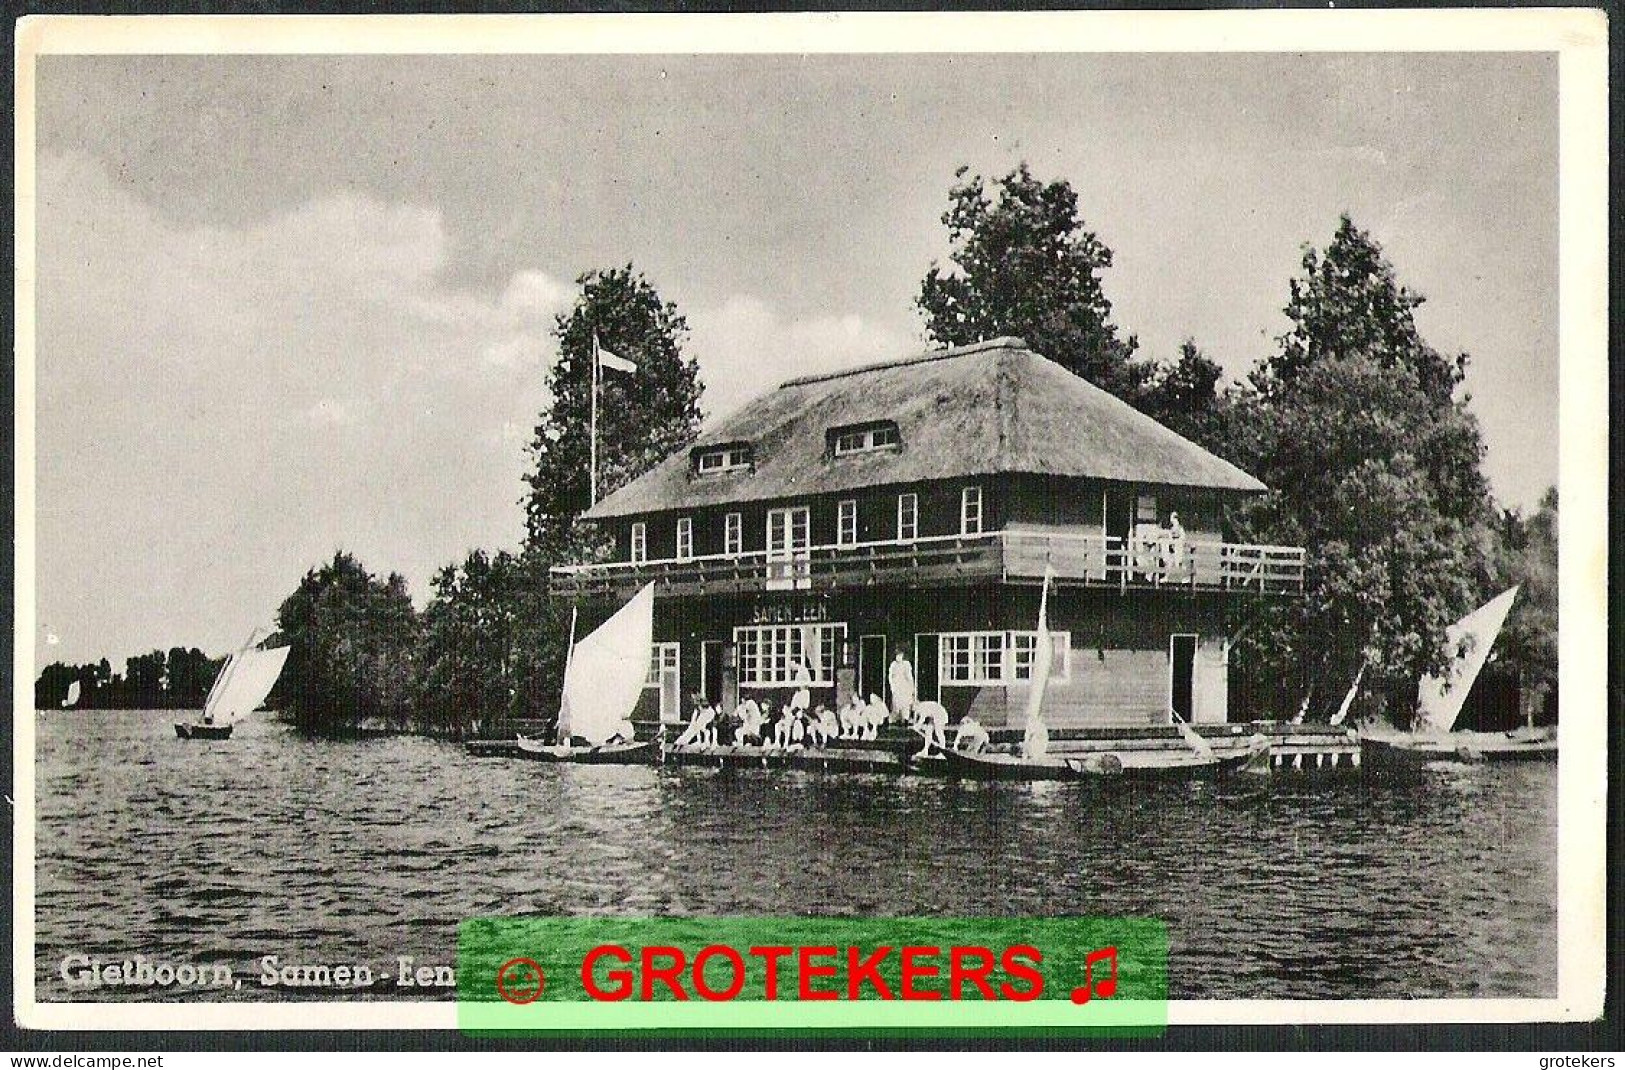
(592, 433)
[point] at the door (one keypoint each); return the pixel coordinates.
(925, 668)
(665, 675)
(1181, 674)
(711, 671)
(872, 665)
(788, 539)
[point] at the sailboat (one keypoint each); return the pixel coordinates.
(604, 675)
(243, 682)
(73, 696)
(1440, 699)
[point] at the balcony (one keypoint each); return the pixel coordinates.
(1015, 557)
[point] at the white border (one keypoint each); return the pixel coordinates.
(1579, 35)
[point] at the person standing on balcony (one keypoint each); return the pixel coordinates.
(1175, 565)
(901, 680)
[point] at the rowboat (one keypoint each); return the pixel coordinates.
(1518, 745)
(606, 754)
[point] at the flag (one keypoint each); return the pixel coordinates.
(610, 360)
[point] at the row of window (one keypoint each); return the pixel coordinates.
(788, 530)
(774, 656)
(843, 442)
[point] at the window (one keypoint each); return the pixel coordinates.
(788, 564)
(908, 517)
(640, 542)
(769, 656)
(971, 658)
(846, 524)
(970, 511)
(1024, 644)
(863, 438)
(685, 538)
(715, 459)
(1145, 509)
(733, 535)
(997, 658)
(662, 659)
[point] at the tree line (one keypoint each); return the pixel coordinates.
(1362, 431)
(159, 680)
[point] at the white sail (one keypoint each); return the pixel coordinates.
(73, 695)
(245, 681)
(1348, 699)
(1035, 743)
(606, 673)
(1439, 701)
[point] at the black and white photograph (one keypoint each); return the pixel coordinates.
(846, 466)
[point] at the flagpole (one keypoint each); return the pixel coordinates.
(592, 464)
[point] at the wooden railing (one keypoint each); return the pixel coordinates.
(1075, 559)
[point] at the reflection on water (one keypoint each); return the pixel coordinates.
(358, 852)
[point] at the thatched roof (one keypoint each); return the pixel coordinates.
(985, 409)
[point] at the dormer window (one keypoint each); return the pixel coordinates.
(864, 438)
(714, 460)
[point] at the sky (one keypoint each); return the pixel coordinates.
(288, 305)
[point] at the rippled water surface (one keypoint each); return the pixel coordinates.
(332, 852)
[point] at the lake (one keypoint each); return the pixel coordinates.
(330, 852)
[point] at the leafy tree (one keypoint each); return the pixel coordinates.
(468, 676)
(643, 417)
(1526, 555)
(352, 636)
(1185, 395)
(1375, 466)
(1026, 264)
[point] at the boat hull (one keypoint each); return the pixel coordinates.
(1467, 748)
(184, 730)
(610, 754)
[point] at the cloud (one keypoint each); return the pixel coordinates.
(745, 347)
(219, 408)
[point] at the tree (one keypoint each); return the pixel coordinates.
(468, 677)
(643, 417)
(1526, 555)
(352, 636)
(1185, 395)
(1375, 466)
(1025, 264)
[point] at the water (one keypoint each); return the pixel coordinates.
(334, 852)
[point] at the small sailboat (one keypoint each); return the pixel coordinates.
(603, 680)
(1439, 703)
(243, 682)
(73, 696)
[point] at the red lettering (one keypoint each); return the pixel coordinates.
(670, 974)
(959, 971)
(808, 971)
(770, 956)
(859, 970)
(1010, 961)
(621, 978)
(912, 971)
(734, 960)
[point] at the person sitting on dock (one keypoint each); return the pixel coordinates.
(750, 723)
(874, 716)
(824, 726)
(933, 726)
(971, 736)
(851, 716)
(700, 730)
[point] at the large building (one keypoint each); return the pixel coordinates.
(915, 506)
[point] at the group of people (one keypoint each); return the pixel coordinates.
(796, 723)
(799, 723)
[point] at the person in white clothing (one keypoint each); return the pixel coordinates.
(900, 678)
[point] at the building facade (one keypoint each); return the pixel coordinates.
(915, 507)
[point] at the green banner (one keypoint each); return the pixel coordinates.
(813, 975)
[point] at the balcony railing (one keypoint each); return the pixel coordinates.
(1075, 559)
